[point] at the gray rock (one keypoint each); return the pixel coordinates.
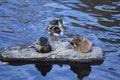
(62, 51)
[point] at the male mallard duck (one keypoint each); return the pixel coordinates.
(81, 44)
(55, 27)
(43, 45)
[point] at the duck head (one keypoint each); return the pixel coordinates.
(43, 41)
(45, 47)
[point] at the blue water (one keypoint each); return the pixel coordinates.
(23, 21)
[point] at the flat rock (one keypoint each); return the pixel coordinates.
(61, 52)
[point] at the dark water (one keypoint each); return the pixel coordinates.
(23, 21)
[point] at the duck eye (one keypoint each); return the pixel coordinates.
(71, 43)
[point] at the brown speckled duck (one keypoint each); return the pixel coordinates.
(43, 45)
(55, 27)
(81, 44)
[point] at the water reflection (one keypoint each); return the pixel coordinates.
(44, 69)
(80, 69)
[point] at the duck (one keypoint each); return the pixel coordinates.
(81, 44)
(43, 45)
(55, 27)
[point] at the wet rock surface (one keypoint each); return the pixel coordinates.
(61, 52)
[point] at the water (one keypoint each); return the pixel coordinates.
(23, 21)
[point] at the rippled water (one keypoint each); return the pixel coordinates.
(24, 21)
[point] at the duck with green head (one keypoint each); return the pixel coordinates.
(43, 45)
(55, 27)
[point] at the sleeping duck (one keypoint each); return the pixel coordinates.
(55, 27)
(81, 44)
(43, 45)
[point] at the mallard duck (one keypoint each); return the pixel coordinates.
(81, 44)
(43, 45)
(55, 27)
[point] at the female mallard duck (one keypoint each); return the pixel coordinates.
(43, 45)
(81, 44)
(55, 27)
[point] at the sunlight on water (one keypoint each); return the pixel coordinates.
(23, 21)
